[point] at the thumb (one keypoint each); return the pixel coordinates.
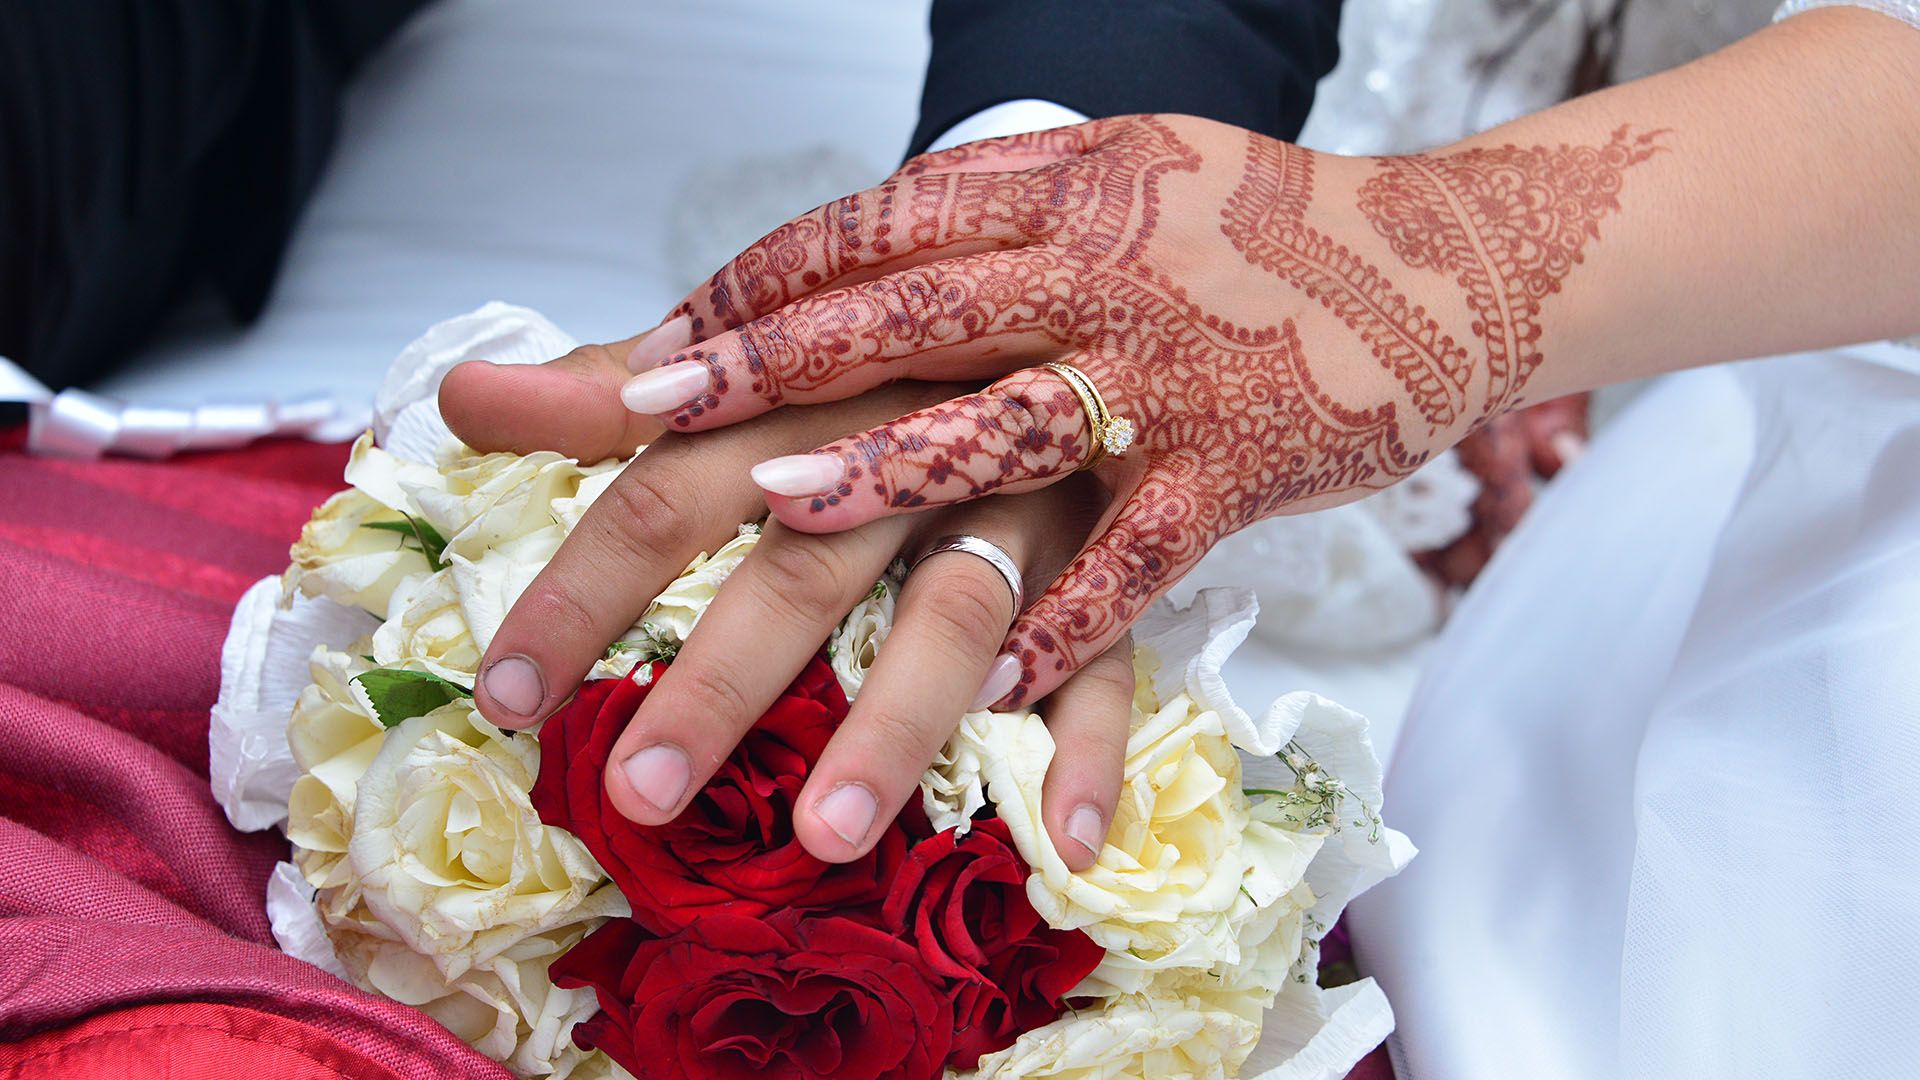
(570, 405)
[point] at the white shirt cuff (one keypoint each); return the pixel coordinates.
(1007, 118)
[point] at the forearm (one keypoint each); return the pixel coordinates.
(1780, 213)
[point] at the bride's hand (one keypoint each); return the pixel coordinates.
(687, 494)
(1284, 330)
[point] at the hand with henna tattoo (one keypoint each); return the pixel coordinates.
(1285, 330)
(1215, 285)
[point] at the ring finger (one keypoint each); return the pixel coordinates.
(940, 660)
(1023, 432)
(776, 607)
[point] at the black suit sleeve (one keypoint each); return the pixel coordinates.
(150, 146)
(1252, 63)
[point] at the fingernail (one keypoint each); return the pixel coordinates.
(1003, 676)
(1567, 446)
(659, 774)
(848, 810)
(662, 341)
(1084, 828)
(798, 475)
(514, 684)
(665, 389)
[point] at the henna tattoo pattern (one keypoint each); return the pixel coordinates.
(1056, 263)
(1507, 223)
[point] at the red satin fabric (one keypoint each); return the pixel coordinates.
(191, 1039)
(133, 935)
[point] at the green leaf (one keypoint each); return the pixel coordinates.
(399, 695)
(427, 539)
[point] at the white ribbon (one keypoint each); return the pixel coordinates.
(81, 424)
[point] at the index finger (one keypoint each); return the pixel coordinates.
(683, 495)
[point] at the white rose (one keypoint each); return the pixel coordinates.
(569, 510)
(427, 629)
(488, 585)
(340, 558)
(954, 786)
(856, 642)
(357, 548)
(1164, 1034)
(334, 737)
(508, 1008)
(389, 479)
(672, 615)
(448, 850)
(1173, 884)
(489, 499)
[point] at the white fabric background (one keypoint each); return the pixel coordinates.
(536, 153)
(1662, 764)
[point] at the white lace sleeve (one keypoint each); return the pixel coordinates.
(1907, 11)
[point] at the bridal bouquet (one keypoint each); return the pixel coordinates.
(483, 876)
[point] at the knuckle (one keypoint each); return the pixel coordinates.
(1110, 673)
(557, 610)
(769, 348)
(966, 611)
(645, 510)
(588, 362)
(901, 731)
(707, 695)
(804, 571)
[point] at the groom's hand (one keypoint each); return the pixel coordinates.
(688, 494)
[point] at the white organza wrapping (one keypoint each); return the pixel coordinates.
(1664, 765)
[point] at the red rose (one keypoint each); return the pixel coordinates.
(790, 996)
(963, 903)
(732, 849)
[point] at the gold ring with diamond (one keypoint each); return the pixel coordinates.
(1111, 434)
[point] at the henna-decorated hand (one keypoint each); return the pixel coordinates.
(1286, 330)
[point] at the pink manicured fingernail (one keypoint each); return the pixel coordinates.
(665, 389)
(659, 774)
(799, 475)
(1568, 446)
(514, 684)
(1003, 676)
(848, 810)
(662, 341)
(1084, 828)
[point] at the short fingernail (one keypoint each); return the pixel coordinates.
(799, 475)
(659, 774)
(1085, 828)
(514, 684)
(848, 810)
(1003, 676)
(662, 341)
(665, 389)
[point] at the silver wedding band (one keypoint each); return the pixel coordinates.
(995, 555)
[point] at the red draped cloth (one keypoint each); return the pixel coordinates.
(133, 934)
(133, 931)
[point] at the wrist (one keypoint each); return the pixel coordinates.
(1498, 243)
